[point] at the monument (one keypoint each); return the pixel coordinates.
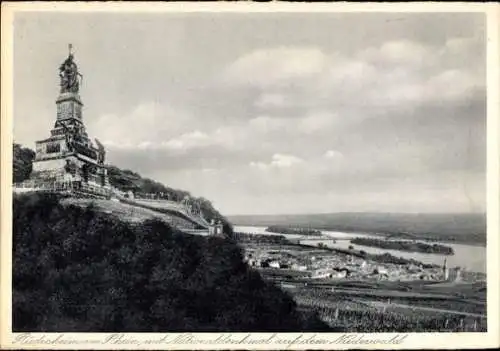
(68, 156)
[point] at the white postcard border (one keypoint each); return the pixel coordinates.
(9, 340)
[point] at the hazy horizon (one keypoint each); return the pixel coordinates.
(354, 212)
(358, 112)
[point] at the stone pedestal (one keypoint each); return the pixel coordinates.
(68, 154)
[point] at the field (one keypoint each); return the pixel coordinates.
(356, 321)
(459, 227)
(379, 305)
(380, 310)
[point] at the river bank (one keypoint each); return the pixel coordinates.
(292, 230)
(456, 228)
(469, 257)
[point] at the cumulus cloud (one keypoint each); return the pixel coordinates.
(187, 141)
(395, 73)
(331, 154)
(399, 52)
(278, 161)
(268, 124)
(282, 161)
(147, 124)
(275, 66)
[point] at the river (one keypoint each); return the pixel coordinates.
(470, 257)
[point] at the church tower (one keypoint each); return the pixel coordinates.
(68, 155)
(446, 271)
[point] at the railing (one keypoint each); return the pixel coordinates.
(76, 187)
(172, 205)
(195, 231)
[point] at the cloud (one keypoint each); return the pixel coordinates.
(331, 154)
(189, 140)
(275, 66)
(316, 122)
(282, 161)
(399, 52)
(398, 73)
(147, 124)
(278, 161)
(266, 124)
(270, 100)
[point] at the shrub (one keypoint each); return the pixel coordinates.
(22, 160)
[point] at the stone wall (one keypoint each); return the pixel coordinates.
(47, 165)
(52, 147)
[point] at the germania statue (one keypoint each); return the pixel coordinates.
(68, 72)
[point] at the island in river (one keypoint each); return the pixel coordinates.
(404, 245)
(292, 230)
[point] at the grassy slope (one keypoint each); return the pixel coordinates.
(129, 213)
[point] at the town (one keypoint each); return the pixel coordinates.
(345, 288)
(306, 261)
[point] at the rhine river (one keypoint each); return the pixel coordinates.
(470, 257)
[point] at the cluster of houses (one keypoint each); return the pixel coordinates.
(326, 266)
(311, 266)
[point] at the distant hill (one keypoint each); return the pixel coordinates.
(459, 227)
(82, 270)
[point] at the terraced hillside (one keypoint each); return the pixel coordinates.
(130, 213)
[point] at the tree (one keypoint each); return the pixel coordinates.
(22, 163)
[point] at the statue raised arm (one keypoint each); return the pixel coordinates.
(68, 72)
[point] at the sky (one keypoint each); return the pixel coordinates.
(274, 113)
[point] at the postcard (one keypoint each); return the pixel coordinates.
(249, 175)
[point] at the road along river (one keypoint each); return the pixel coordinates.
(470, 257)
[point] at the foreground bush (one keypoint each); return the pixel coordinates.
(81, 270)
(22, 162)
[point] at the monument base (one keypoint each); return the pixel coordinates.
(72, 167)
